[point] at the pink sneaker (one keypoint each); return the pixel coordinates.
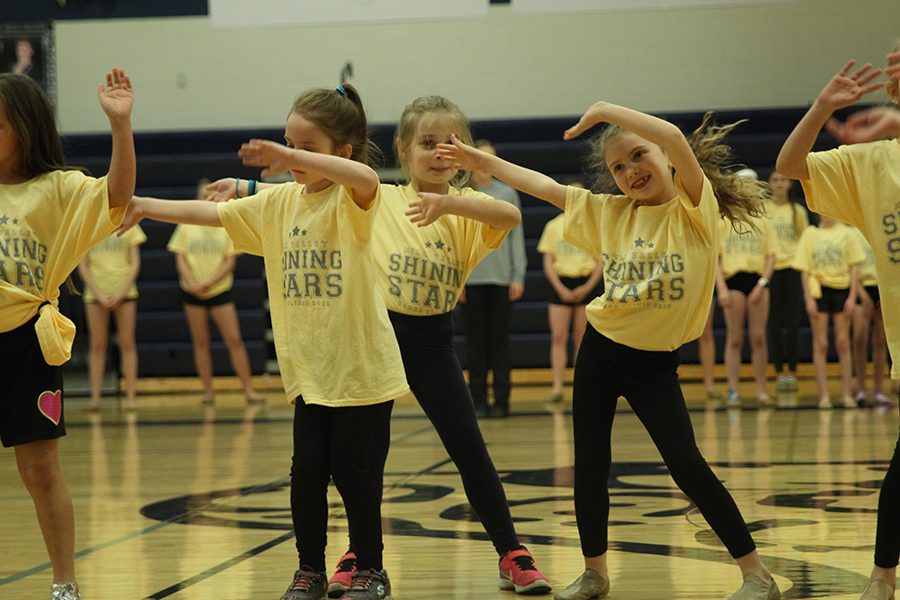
(517, 572)
(343, 576)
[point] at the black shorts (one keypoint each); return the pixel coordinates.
(742, 281)
(31, 403)
(572, 283)
(874, 294)
(218, 300)
(832, 300)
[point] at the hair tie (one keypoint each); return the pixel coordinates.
(340, 89)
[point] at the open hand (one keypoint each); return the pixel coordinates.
(462, 156)
(844, 89)
(866, 125)
(427, 208)
(275, 158)
(592, 116)
(133, 216)
(116, 96)
(221, 190)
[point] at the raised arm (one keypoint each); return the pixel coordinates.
(361, 179)
(525, 180)
(843, 90)
(496, 213)
(116, 98)
(662, 133)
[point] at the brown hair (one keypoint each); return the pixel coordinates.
(893, 83)
(739, 197)
(31, 115)
(433, 106)
(339, 113)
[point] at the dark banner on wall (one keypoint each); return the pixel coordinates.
(28, 48)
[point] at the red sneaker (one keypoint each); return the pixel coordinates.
(517, 572)
(343, 576)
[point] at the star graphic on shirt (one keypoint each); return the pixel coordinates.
(639, 243)
(650, 245)
(3, 220)
(295, 232)
(428, 244)
(15, 221)
(439, 245)
(303, 232)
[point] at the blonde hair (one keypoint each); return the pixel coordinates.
(739, 197)
(430, 106)
(339, 113)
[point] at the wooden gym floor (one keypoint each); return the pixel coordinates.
(175, 500)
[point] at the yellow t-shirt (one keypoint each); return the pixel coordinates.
(866, 275)
(204, 249)
(423, 269)
(788, 222)
(827, 253)
(568, 260)
(746, 248)
(334, 342)
(110, 263)
(860, 185)
(659, 264)
(47, 225)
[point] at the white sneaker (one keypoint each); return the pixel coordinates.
(64, 591)
(756, 588)
(878, 589)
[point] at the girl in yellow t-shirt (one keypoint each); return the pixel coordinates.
(50, 216)
(574, 277)
(205, 260)
(866, 313)
(860, 184)
(746, 261)
(659, 242)
(789, 220)
(828, 258)
(109, 272)
(339, 360)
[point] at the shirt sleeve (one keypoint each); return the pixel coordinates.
(583, 219)
(856, 254)
(137, 236)
(831, 188)
(177, 243)
(545, 244)
(705, 216)
(361, 220)
(243, 220)
(801, 257)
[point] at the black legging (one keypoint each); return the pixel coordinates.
(887, 536)
(606, 370)
(436, 379)
(785, 309)
(350, 446)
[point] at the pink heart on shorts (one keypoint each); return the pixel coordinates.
(50, 405)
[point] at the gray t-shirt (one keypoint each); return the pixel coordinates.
(508, 263)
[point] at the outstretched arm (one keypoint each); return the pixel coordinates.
(843, 90)
(666, 135)
(223, 190)
(496, 213)
(361, 179)
(525, 180)
(191, 212)
(116, 98)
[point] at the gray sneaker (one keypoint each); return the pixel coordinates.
(66, 591)
(756, 588)
(878, 589)
(588, 586)
(307, 585)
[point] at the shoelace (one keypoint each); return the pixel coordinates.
(304, 581)
(362, 580)
(525, 563)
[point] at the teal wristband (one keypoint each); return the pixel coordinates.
(251, 187)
